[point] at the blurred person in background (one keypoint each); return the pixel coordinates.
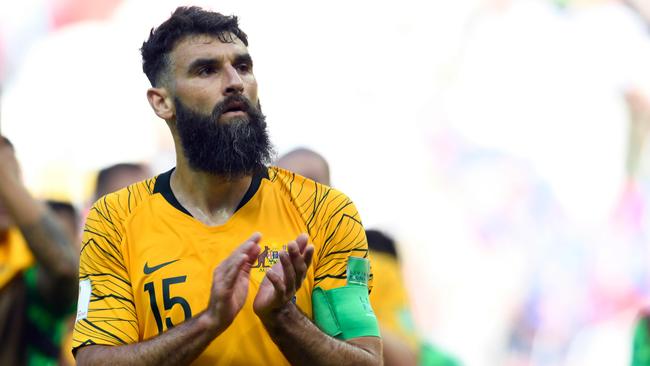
(164, 236)
(389, 299)
(390, 302)
(307, 163)
(68, 216)
(38, 272)
(118, 176)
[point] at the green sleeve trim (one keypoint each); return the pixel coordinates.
(345, 312)
(324, 315)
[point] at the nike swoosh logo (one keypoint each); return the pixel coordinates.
(150, 270)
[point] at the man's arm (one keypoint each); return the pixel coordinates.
(396, 351)
(301, 342)
(178, 346)
(184, 343)
(47, 240)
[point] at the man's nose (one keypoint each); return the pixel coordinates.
(233, 83)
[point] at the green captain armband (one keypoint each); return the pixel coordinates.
(345, 312)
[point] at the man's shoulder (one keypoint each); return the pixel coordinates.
(317, 203)
(297, 186)
(120, 204)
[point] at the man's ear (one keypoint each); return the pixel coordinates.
(161, 102)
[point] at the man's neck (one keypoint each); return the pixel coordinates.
(211, 199)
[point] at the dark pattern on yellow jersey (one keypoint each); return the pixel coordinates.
(322, 208)
(103, 235)
(143, 225)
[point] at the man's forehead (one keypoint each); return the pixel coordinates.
(204, 45)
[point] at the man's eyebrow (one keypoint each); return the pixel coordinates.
(243, 58)
(199, 62)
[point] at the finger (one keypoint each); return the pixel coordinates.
(293, 249)
(306, 262)
(277, 282)
(298, 263)
(252, 253)
(255, 237)
(309, 254)
(236, 255)
(232, 269)
(247, 245)
(252, 256)
(235, 262)
(252, 240)
(250, 247)
(289, 271)
(302, 240)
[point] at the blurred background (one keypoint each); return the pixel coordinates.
(502, 142)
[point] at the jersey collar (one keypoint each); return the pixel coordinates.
(163, 186)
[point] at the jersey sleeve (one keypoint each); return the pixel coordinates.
(340, 233)
(105, 310)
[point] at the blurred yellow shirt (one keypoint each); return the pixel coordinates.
(389, 299)
(15, 257)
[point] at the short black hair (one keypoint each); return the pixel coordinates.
(184, 22)
(105, 175)
(380, 242)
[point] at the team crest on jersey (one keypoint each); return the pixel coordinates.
(268, 257)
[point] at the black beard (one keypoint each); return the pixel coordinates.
(233, 149)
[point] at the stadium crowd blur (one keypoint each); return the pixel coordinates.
(526, 146)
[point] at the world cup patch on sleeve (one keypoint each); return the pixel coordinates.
(83, 303)
(358, 271)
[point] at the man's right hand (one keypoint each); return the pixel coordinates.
(230, 284)
(227, 297)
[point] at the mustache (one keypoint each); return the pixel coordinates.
(221, 107)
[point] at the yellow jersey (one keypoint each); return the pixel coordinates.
(146, 264)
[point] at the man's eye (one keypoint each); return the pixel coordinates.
(244, 67)
(204, 71)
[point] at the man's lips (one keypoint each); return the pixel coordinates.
(235, 106)
(234, 113)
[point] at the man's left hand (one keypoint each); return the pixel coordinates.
(281, 282)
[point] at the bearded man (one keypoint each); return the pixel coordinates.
(170, 272)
